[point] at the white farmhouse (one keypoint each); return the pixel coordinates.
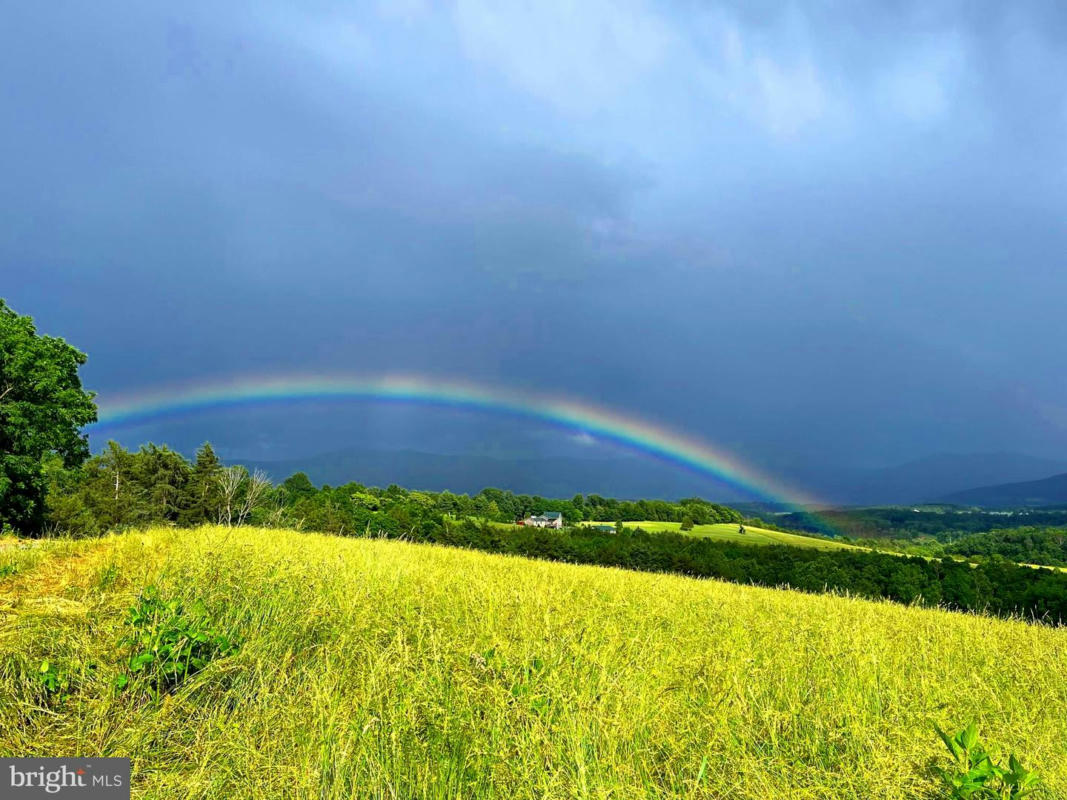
(550, 519)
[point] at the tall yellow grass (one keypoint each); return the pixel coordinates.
(372, 669)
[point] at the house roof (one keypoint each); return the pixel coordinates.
(552, 515)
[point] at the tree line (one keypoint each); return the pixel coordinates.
(1032, 544)
(1028, 545)
(121, 489)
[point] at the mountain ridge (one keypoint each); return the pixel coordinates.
(1050, 491)
(547, 476)
(928, 479)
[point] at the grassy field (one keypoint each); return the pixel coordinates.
(379, 669)
(729, 532)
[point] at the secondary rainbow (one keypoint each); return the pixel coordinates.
(571, 414)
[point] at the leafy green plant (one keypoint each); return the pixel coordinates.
(48, 676)
(169, 641)
(974, 774)
(58, 682)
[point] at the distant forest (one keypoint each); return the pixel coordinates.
(945, 523)
(1029, 545)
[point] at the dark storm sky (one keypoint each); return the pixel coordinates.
(805, 232)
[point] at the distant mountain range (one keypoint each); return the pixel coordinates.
(544, 476)
(1023, 494)
(932, 478)
(937, 478)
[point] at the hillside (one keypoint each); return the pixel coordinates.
(1026, 494)
(377, 668)
(730, 533)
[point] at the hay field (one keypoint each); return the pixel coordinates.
(381, 669)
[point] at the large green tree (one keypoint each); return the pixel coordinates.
(42, 411)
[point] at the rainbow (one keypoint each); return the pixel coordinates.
(627, 430)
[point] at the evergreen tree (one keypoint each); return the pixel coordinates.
(164, 475)
(113, 490)
(203, 495)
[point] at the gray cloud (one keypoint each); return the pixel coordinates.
(805, 233)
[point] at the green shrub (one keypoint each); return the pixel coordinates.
(975, 776)
(169, 641)
(57, 682)
(49, 677)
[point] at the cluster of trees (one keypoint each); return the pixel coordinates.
(354, 509)
(119, 489)
(580, 508)
(1029, 545)
(995, 586)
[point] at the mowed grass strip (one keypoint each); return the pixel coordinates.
(728, 532)
(372, 668)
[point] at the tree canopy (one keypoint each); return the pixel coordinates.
(43, 408)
